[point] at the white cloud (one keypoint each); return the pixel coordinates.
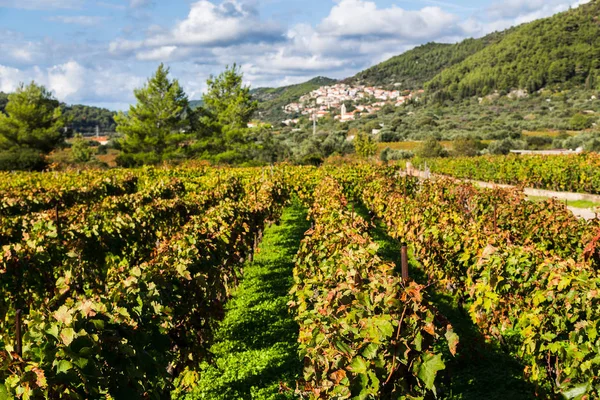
(84, 20)
(73, 83)
(41, 4)
(358, 18)
(208, 25)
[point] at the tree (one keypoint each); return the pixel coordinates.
(364, 145)
(33, 120)
(431, 148)
(221, 124)
(156, 128)
(466, 147)
(227, 100)
(80, 150)
(580, 122)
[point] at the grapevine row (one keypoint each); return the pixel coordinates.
(152, 317)
(528, 275)
(364, 333)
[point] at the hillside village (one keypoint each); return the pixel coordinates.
(334, 100)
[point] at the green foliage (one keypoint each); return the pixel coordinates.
(556, 51)
(569, 173)
(80, 150)
(120, 290)
(431, 148)
(518, 264)
(363, 332)
(22, 159)
(466, 147)
(228, 101)
(85, 119)
(155, 128)
(388, 154)
(364, 145)
(415, 67)
(33, 120)
(580, 122)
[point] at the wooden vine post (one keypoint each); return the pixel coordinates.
(18, 342)
(404, 263)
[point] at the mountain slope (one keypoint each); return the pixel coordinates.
(412, 69)
(563, 50)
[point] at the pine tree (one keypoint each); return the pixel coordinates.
(33, 120)
(155, 128)
(228, 100)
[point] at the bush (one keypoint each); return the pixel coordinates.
(388, 154)
(431, 148)
(505, 146)
(22, 159)
(466, 147)
(581, 122)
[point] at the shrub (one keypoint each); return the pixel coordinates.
(22, 159)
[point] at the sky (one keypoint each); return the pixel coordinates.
(98, 52)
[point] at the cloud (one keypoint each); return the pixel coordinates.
(71, 82)
(83, 20)
(358, 18)
(42, 4)
(207, 25)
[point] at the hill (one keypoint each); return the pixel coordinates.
(84, 119)
(412, 69)
(271, 100)
(562, 51)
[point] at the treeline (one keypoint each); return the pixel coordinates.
(562, 51)
(161, 127)
(85, 119)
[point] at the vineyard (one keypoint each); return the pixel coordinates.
(270, 283)
(567, 173)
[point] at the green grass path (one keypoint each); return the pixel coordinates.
(480, 370)
(256, 344)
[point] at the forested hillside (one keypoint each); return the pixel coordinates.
(412, 69)
(84, 119)
(561, 51)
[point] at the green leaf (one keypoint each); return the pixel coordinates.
(63, 366)
(358, 365)
(370, 352)
(428, 369)
(53, 330)
(67, 336)
(576, 392)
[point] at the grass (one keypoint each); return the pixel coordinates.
(570, 203)
(256, 350)
(480, 370)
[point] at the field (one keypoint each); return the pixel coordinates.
(291, 282)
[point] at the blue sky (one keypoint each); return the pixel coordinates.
(97, 52)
